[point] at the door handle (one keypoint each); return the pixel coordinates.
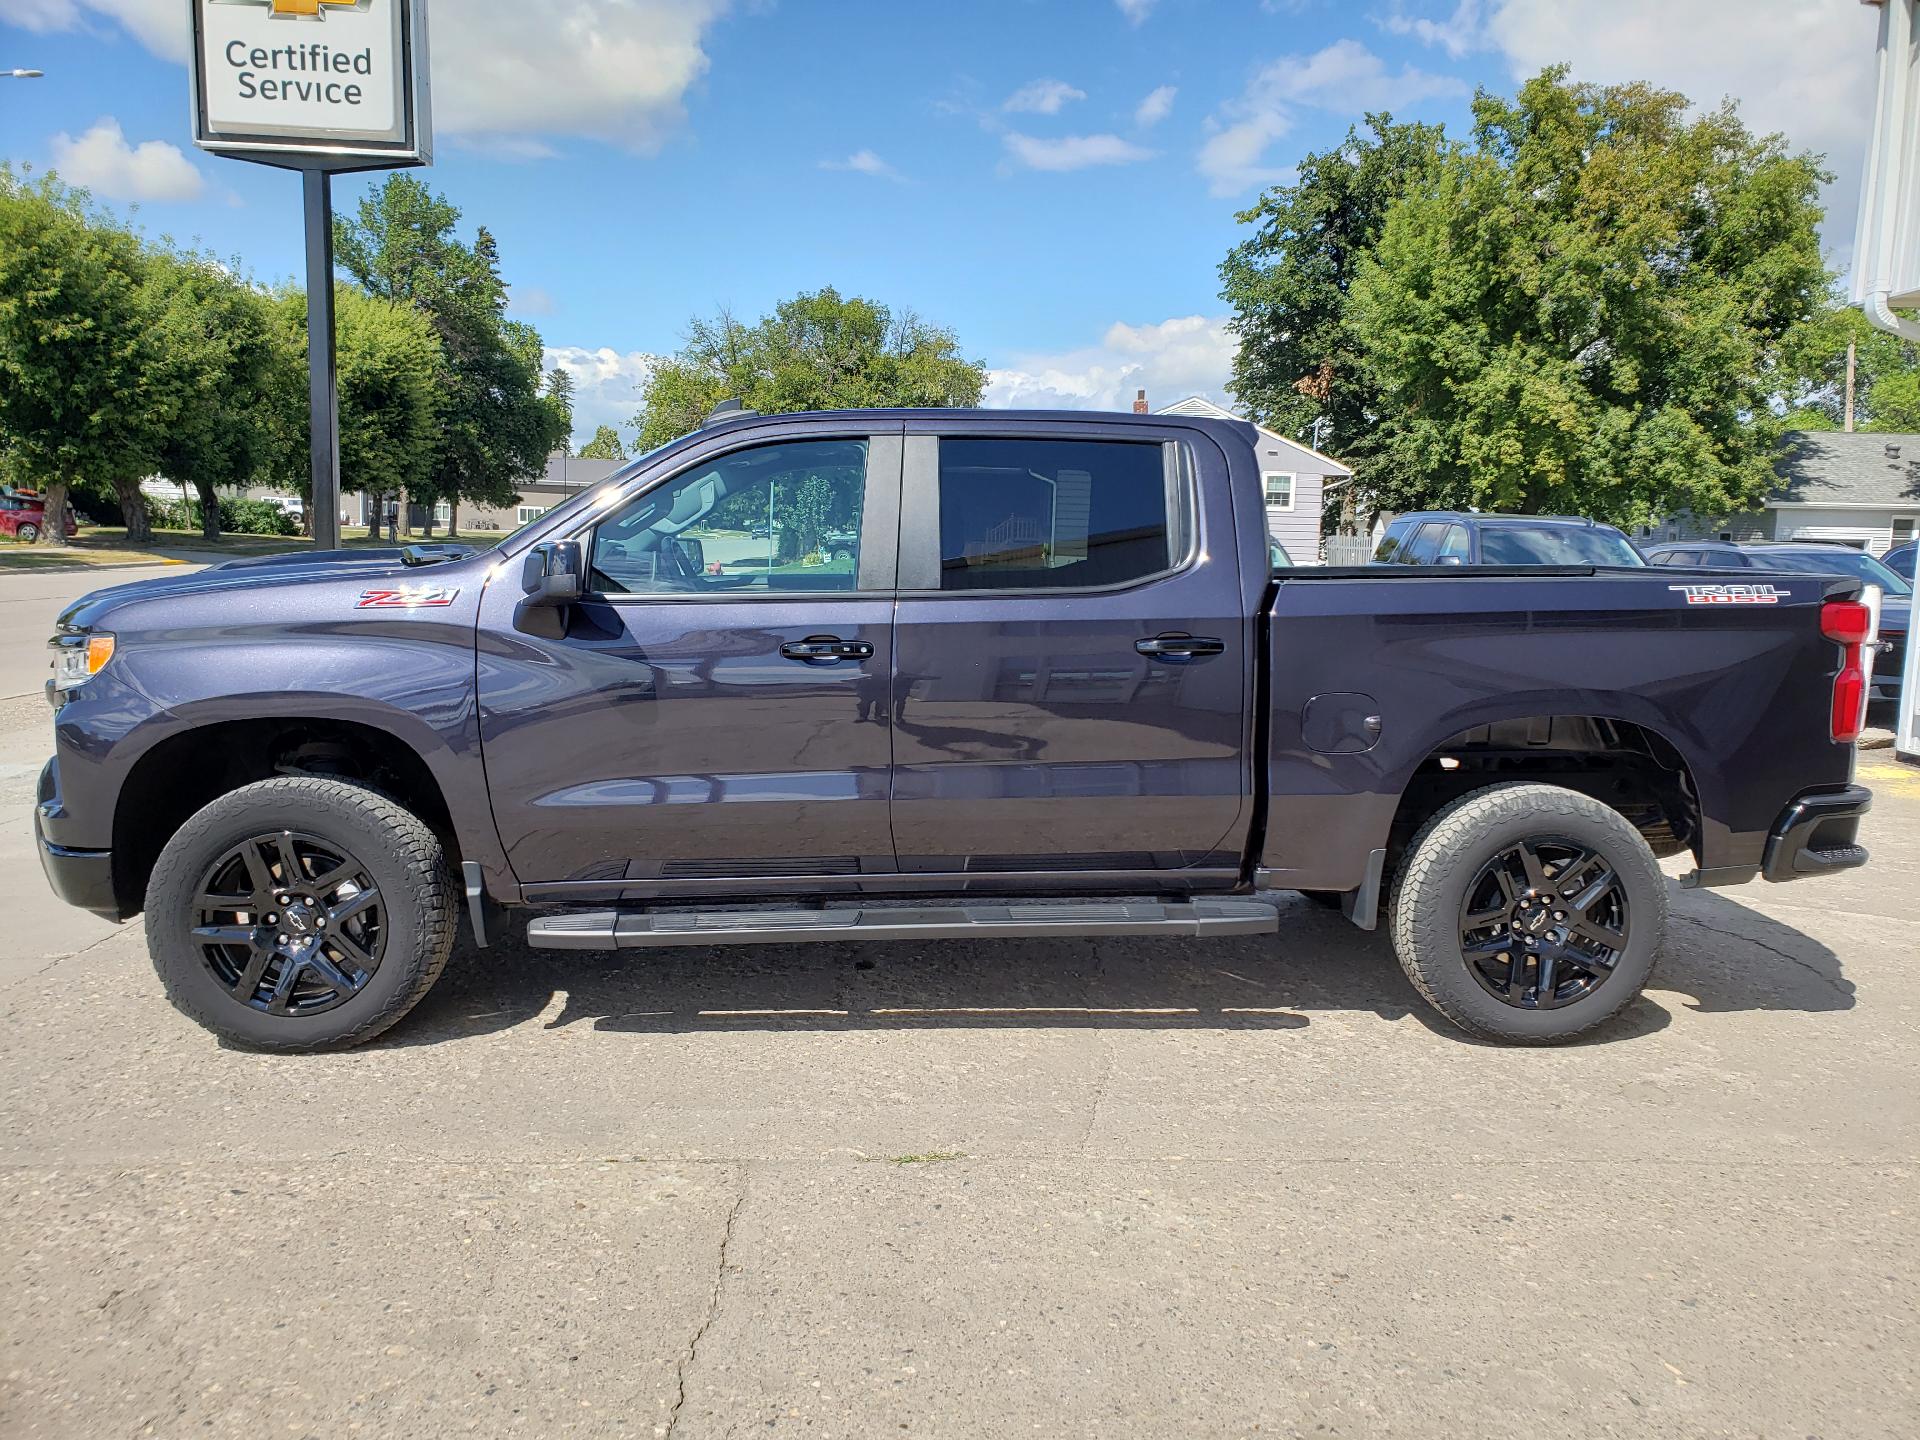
(826, 650)
(1177, 649)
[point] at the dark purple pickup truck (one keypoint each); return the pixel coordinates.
(939, 674)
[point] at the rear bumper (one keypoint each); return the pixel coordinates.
(1816, 835)
(82, 878)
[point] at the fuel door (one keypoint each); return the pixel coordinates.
(1342, 722)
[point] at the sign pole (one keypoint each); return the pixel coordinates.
(323, 383)
(362, 93)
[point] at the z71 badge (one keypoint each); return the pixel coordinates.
(1732, 594)
(426, 597)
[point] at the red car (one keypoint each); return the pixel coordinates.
(25, 516)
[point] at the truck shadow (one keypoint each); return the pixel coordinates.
(1721, 956)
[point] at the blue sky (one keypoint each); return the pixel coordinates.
(1056, 180)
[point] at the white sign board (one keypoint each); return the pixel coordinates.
(308, 82)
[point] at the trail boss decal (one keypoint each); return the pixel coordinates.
(1732, 594)
(426, 597)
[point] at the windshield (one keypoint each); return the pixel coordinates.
(1838, 561)
(1555, 545)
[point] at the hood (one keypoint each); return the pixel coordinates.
(276, 574)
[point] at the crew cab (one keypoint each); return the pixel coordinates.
(1005, 674)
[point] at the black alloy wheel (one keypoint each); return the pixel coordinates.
(1544, 923)
(290, 924)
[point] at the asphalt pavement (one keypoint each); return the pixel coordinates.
(1061, 1188)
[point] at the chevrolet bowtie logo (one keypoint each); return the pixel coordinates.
(303, 9)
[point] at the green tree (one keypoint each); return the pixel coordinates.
(74, 353)
(1886, 376)
(605, 445)
(815, 352)
(1589, 309)
(216, 354)
(1288, 282)
(388, 361)
(497, 427)
(560, 400)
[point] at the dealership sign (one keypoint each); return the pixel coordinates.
(336, 84)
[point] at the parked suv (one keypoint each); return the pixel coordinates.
(1815, 557)
(1465, 537)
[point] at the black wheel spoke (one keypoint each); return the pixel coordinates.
(347, 909)
(331, 972)
(1547, 975)
(225, 903)
(1534, 868)
(258, 875)
(249, 981)
(351, 950)
(1598, 934)
(292, 872)
(226, 934)
(332, 880)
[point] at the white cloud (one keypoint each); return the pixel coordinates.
(1042, 97)
(606, 385)
(1457, 34)
(864, 162)
(1136, 11)
(103, 162)
(160, 25)
(1072, 152)
(1155, 108)
(1345, 78)
(1804, 70)
(613, 70)
(1188, 355)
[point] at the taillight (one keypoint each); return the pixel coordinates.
(1849, 623)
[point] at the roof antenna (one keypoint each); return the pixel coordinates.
(727, 410)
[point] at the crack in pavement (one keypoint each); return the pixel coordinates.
(713, 1310)
(59, 960)
(1839, 987)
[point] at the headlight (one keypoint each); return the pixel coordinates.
(78, 658)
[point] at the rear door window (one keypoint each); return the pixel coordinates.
(1055, 514)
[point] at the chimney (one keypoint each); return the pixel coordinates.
(1140, 404)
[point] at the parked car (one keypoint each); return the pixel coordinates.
(1900, 560)
(1063, 673)
(1814, 557)
(1277, 555)
(24, 517)
(1467, 537)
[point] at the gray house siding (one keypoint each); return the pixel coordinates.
(1295, 526)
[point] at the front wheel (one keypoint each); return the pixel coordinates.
(300, 914)
(29, 533)
(1529, 913)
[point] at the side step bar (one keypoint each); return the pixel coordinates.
(615, 930)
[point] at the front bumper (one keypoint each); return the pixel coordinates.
(82, 878)
(1816, 834)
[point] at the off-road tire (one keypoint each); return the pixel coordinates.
(405, 859)
(1448, 853)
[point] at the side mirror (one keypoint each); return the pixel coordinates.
(554, 573)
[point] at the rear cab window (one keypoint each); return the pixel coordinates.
(1044, 514)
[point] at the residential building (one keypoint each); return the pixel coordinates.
(566, 476)
(1297, 478)
(1859, 488)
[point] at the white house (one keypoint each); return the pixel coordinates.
(1297, 479)
(1860, 488)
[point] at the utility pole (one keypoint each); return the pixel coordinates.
(1851, 347)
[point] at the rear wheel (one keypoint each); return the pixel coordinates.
(1529, 913)
(300, 914)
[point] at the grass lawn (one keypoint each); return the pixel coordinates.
(107, 545)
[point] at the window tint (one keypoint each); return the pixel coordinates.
(1454, 545)
(1023, 514)
(1555, 545)
(1424, 548)
(1392, 544)
(1677, 557)
(771, 520)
